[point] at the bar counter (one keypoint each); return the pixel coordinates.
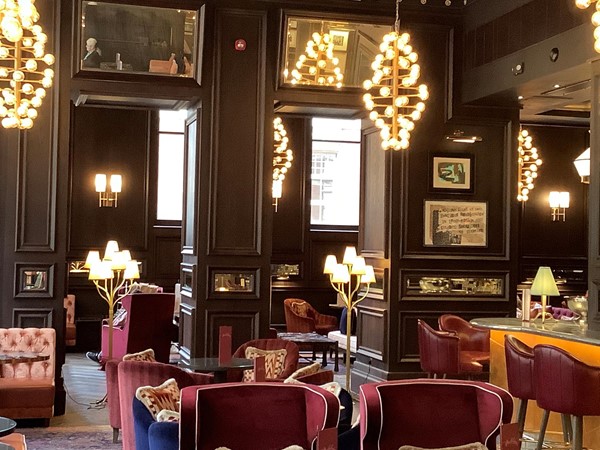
(582, 343)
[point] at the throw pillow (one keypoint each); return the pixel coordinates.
(472, 446)
(274, 361)
(300, 308)
(120, 318)
(307, 370)
(166, 415)
(165, 396)
(145, 355)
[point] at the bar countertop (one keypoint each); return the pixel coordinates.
(567, 330)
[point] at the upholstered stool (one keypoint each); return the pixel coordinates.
(565, 385)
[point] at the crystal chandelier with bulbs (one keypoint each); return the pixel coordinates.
(529, 161)
(583, 4)
(394, 99)
(23, 82)
(282, 158)
(317, 66)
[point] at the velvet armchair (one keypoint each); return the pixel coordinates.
(301, 317)
(130, 376)
(149, 324)
(255, 415)
(431, 413)
(291, 359)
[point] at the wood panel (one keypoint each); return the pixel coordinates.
(187, 329)
(167, 256)
(238, 151)
(372, 334)
(32, 318)
(245, 327)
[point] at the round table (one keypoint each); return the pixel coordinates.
(7, 426)
(206, 365)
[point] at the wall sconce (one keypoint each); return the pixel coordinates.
(460, 137)
(559, 202)
(582, 164)
(108, 198)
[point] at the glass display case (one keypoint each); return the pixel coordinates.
(455, 285)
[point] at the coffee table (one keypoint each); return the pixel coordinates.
(315, 342)
(7, 426)
(206, 365)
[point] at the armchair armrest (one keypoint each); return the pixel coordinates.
(324, 319)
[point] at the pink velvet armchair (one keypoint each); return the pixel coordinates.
(255, 415)
(301, 317)
(124, 377)
(149, 324)
(431, 413)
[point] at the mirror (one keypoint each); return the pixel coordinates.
(236, 282)
(34, 280)
(137, 39)
(330, 53)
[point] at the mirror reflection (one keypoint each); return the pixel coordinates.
(237, 282)
(330, 53)
(35, 280)
(137, 39)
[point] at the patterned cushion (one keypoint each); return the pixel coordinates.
(300, 308)
(145, 355)
(165, 396)
(166, 415)
(120, 318)
(274, 360)
(307, 370)
(473, 446)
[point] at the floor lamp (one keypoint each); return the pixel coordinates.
(346, 278)
(112, 276)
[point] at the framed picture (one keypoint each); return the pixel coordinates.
(452, 173)
(455, 224)
(340, 40)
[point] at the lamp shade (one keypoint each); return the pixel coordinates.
(100, 182)
(277, 188)
(559, 199)
(369, 276)
(118, 261)
(132, 271)
(349, 255)
(116, 182)
(101, 271)
(330, 264)
(111, 248)
(359, 266)
(543, 283)
(92, 257)
(340, 274)
(582, 164)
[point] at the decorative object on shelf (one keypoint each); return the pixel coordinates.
(559, 202)
(317, 66)
(23, 83)
(450, 172)
(544, 285)
(112, 275)
(108, 198)
(450, 224)
(460, 137)
(346, 278)
(529, 161)
(282, 159)
(582, 164)
(396, 102)
(579, 305)
(584, 4)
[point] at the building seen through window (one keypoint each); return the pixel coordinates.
(335, 172)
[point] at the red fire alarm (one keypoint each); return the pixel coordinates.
(240, 45)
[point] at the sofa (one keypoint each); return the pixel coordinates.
(27, 388)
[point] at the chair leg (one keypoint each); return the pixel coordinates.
(543, 427)
(115, 435)
(566, 426)
(578, 433)
(521, 416)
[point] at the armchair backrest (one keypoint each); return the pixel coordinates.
(439, 350)
(431, 413)
(255, 415)
(36, 340)
(299, 316)
(519, 368)
(291, 358)
(471, 338)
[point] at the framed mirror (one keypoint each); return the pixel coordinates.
(329, 53)
(138, 39)
(34, 280)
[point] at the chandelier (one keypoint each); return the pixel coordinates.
(394, 100)
(22, 82)
(583, 4)
(317, 66)
(282, 158)
(529, 161)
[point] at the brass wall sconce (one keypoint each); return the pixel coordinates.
(559, 202)
(582, 164)
(459, 136)
(108, 198)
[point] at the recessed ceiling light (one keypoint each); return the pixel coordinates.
(556, 86)
(520, 97)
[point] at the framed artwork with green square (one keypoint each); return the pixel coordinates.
(452, 173)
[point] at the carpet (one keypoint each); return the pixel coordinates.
(69, 438)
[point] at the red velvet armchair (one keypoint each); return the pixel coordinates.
(149, 324)
(431, 413)
(291, 359)
(255, 415)
(124, 377)
(301, 317)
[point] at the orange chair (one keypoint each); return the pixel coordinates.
(474, 341)
(301, 317)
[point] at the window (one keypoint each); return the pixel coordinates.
(335, 172)
(171, 129)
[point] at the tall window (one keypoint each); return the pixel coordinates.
(170, 165)
(335, 172)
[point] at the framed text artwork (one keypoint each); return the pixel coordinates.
(452, 173)
(453, 223)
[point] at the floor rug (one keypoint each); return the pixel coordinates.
(69, 438)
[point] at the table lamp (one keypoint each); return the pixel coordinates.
(544, 284)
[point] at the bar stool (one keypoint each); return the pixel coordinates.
(565, 385)
(474, 341)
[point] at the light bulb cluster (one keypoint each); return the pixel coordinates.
(317, 66)
(394, 99)
(23, 83)
(282, 156)
(583, 4)
(529, 161)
